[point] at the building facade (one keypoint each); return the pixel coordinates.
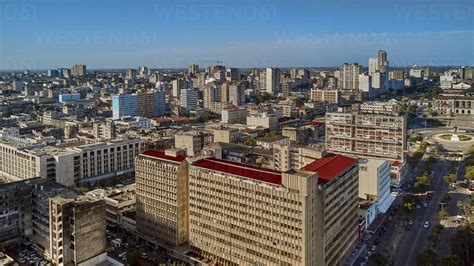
(241, 214)
(77, 231)
(367, 135)
(146, 104)
(162, 196)
(454, 105)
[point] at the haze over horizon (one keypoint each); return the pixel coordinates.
(173, 34)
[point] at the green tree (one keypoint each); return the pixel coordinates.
(378, 259)
(451, 260)
(250, 142)
(270, 134)
(434, 239)
(471, 150)
(133, 257)
(409, 203)
(462, 244)
(450, 179)
(465, 207)
(469, 173)
(427, 257)
(442, 214)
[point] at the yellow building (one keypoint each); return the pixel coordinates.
(162, 196)
(241, 214)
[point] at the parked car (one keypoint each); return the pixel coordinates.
(426, 224)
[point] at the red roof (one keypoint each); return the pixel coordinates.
(315, 123)
(396, 163)
(162, 155)
(330, 167)
(253, 172)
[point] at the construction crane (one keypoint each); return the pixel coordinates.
(218, 62)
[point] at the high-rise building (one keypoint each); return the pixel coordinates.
(188, 99)
(78, 70)
(16, 220)
(103, 130)
(329, 96)
(70, 166)
(241, 214)
(349, 76)
(193, 70)
(374, 183)
(232, 74)
(379, 81)
(17, 85)
(396, 74)
(367, 135)
(286, 89)
(373, 65)
(382, 61)
(181, 84)
(131, 74)
(143, 71)
(211, 94)
(232, 93)
(77, 231)
(162, 196)
(234, 115)
(53, 73)
(365, 83)
(66, 72)
(272, 80)
(147, 104)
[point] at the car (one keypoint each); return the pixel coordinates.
(410, 222)
(425, 205)
(418, 206)
(426, 224)
(372, 248)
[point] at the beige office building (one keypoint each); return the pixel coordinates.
(328, 96)
(191, 141)
(240, 214)
(162, 197)
(234, 115)
(287, 156)
(68, 166)
(367, 135)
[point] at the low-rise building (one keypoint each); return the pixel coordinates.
(264, 120)
(268, 142)
(454, 105)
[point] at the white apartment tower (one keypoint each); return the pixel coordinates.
(272, 80)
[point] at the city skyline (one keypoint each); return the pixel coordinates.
(164, 34)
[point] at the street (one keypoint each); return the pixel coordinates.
(413, 241)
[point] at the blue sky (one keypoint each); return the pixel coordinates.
(39, 34)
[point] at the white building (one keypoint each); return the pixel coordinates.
(365, 84)
(188, 99)
(416, 73)
(272, 80)
(446, 82)
(234, 115)
(264, 120)
(374, 183)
